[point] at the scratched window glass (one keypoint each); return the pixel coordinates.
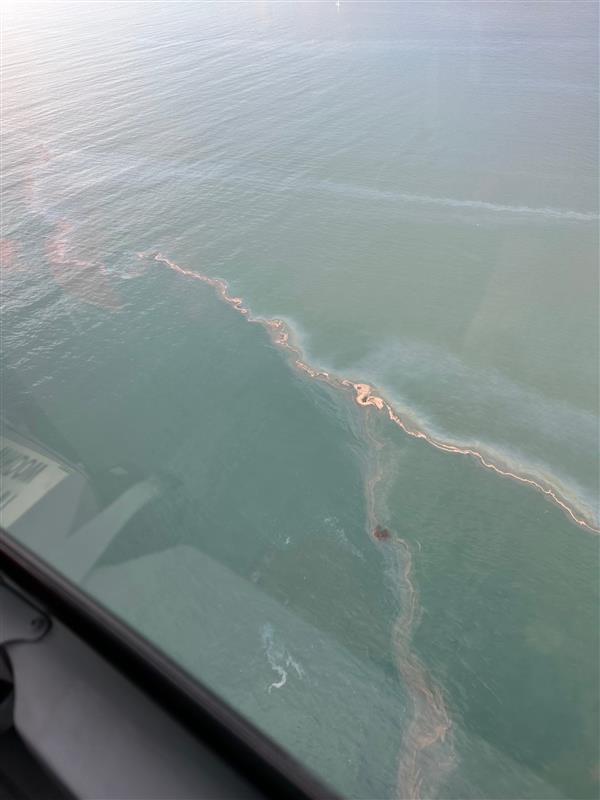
(300, 366)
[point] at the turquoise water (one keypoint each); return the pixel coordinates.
(412, 190)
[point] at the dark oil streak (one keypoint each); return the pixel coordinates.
(426, 751)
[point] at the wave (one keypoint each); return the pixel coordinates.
(279, 658)
(366, 396)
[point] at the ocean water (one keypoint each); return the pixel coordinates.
(326, 276)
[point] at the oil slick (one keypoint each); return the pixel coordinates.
(89, 281)
(426, 750)
(364, 394)
(365, 397)
(427, 753)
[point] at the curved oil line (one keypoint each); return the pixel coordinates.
(363, 392)
(364, 397)
(426, 753)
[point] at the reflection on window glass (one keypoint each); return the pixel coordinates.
(300, 366)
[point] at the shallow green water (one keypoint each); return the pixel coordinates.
(413, 189)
